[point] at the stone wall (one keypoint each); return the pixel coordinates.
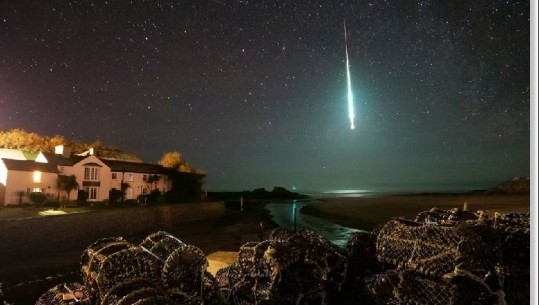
(23, 237)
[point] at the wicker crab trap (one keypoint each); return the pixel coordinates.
(161, 270)
(289, 268)
(451, 257)
(442, 257)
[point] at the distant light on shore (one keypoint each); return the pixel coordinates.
(347, 191)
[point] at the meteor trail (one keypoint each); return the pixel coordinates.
(351, 114)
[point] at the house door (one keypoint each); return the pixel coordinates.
(91, 192)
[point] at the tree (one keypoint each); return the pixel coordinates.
(67, 184)
(52, 142)
(123, 188)
(174, 160)
(186, 187)
(171, 159)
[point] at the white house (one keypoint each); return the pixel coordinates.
(96, 176)
(19, 178)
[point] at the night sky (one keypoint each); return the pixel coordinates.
(254, 92)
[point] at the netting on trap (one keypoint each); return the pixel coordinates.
(136, 291)
(450, 217)
(66, 294)
(408, 287)
(182, 266)
(514, 231)
(453, 257)
(161, 244)
(437, 250)
(183, 274)
(125, 265)
(289, 268)
(93, 257)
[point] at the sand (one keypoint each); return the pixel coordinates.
(220, 259)
(367, 212)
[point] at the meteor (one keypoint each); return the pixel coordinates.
(351, 114)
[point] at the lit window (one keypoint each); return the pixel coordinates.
(91, 173)
(37, 176)
(36, 190)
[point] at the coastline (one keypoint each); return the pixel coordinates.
(366, 213)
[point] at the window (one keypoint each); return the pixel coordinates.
(130, 177)
(114, 176)
(37, 190)
(144, 177)
(144, 191)
(91, 192)
(91, 173)
(37, 176)
(61, 169)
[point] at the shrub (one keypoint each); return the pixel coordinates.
(37, 198)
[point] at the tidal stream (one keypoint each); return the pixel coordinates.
(289, 216)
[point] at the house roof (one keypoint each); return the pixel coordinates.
(13, 154)
(135, 167)
(62, 161)
(28, 155)
(29, 166)
(115, 165)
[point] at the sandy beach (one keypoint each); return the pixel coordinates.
(368, 212)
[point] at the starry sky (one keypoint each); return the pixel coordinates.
(254, 92)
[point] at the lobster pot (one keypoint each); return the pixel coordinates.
(93, 257)
(450, 217)
(329, 257)
(226, 278)
(289, 268)
(124, 265)
(135, 291)
(514, 230)
(66, 294)
(280, 234)
(161, 244)
(212, 294)
(405, 287)
(435, 250)
(183, 274)
(182, 266)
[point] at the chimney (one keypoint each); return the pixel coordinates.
(62, 150)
